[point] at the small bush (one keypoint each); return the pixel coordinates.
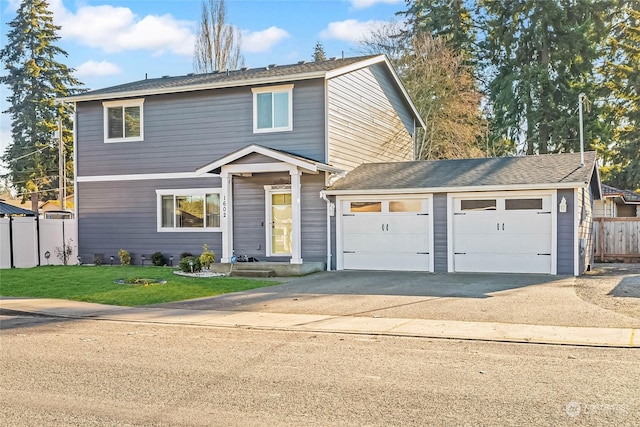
(185, 254)
(207, 257)
(157, 259)
(125, 257)
(97, 260)
(184, 264)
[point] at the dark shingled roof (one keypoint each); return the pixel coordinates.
(223, 77)
(546, 170)
(9, 210)
(627, 195)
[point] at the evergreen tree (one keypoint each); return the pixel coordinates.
(621, 81)
(35, 79)
(318, 53)
(449, 20)
(541, 56)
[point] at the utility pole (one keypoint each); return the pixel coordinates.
(61, 166)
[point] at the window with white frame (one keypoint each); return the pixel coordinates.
(272, 109)
(123, 120)
(189, 210)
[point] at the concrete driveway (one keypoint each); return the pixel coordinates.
(506, 298)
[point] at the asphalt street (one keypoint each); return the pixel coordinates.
(65, 372)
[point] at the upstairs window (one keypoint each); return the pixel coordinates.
(272, 109)
(123, 120)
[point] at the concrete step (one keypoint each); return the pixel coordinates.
(253, 273)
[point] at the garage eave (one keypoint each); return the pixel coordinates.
(473, 188)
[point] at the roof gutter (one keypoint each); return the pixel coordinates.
(467, 189)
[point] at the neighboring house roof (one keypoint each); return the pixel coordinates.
(9, 210)
(243, 77)
(627, 196)
(278, 155)
(526, 172)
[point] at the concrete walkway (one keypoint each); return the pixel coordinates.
(488, 331)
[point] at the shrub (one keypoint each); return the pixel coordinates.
(125, 257)
(184, 264)
(157, 259)
(207, 257)
(97, 260)
(185, 254)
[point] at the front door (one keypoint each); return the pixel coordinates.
(279, 234)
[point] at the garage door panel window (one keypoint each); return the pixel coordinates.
(478, 205)
(523, 204)
(405, 206)
(362, 207)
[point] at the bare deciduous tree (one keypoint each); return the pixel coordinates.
(217, 44)
(443, 89)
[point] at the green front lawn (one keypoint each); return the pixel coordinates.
(96, 284)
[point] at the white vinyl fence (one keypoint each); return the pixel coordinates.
(28, 242)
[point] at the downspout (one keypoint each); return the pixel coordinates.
(330, 208)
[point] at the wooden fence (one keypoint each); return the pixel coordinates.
(617, 239)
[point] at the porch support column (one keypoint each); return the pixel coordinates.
(296, 234)
(226, 215)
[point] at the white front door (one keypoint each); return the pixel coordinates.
(279, 217)
(386, 235)
(502, 234)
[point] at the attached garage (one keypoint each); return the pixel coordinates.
(385, 234)
(528, 214)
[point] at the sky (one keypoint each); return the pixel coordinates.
(110, 42)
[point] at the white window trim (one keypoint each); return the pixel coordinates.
(122, 103)
(272, 89)
(185, 192)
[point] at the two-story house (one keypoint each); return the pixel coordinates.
(312, 164)
(234, 159)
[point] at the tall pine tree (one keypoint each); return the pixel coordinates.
(621, 89)
(540, 55)
(449, 20)
(35, 79)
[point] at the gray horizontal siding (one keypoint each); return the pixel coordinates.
(395, 96)
(249, 213)
(363, 123)
(440, 249)
(123, 215)
(184, 131)
(565, 238)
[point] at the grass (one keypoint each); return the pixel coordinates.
(96, 284)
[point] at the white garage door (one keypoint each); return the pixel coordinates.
(508, 234)
(386, 235)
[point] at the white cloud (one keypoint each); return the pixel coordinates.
(351, 30)
(363, 4)
(117, 29)
(262, 41)
(99, 69)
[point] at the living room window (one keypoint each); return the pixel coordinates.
(123, 120)
(188, 210)
(272, 109)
